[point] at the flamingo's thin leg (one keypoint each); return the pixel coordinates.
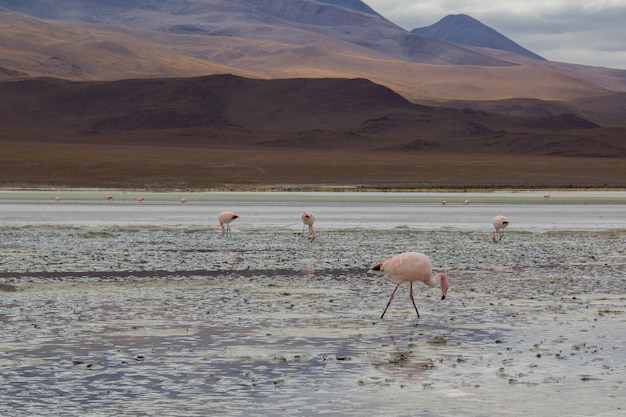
(389, 302)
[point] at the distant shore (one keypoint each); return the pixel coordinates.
(315, 188)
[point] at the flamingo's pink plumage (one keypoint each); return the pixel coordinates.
(225, 218)
(499, 223)
(410, 267)
(308, 219)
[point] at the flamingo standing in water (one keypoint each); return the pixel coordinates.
(308, 219)
(499, 223)
(546, 197)
(410, 267)
(108, 198)
(225, 218)
(140, 199)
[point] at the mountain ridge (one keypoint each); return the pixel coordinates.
(146, 39)
(298, 104)
(31, 46)
(321, 93)
(286, 21)
(227, 131)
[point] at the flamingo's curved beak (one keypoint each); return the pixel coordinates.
(443, 294)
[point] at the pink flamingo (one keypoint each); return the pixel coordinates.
(182, 200)
(410, 267)
(140, 199)
(499, 223)
(225, 218)
(308, 219)
(108, 198)
(546, 197)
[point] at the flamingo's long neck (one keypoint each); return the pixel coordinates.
(435, 280)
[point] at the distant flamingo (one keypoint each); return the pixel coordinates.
(108, 198)
(499, 223)
(140, 199)
(443, 203)
(410, 267)
(225, 218)
(308, 219)
(546, 197)
(182, 200)
(57, 199)
(466, 203)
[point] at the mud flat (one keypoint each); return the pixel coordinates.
(141, 319)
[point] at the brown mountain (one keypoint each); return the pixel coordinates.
(355, 105)
(110, 40)
(225, 130)
(291, 22)
(320, 92)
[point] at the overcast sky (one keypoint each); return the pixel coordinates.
(589, 32)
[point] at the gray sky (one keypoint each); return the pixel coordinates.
(588, 32)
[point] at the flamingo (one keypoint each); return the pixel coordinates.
(225, 218)
(182, 200)
(108, 198)
(308, 219)
(410, 267)
(57, 199)
(546, 197)
(140, 199)
(466, 203)
(499, 223)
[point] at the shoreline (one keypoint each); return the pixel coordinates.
(318, 188)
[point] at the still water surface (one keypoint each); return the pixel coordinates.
(527, 210)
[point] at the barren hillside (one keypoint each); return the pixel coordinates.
(227, 131)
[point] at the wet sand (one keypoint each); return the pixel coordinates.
(139, 319)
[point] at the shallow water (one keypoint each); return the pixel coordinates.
(120, 308)
(527, 209)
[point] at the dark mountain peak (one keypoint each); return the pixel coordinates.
(465, 30)
(460, 19)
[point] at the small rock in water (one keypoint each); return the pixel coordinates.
(437, 340)
(401, 358)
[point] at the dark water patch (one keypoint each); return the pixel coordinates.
(167, 275)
